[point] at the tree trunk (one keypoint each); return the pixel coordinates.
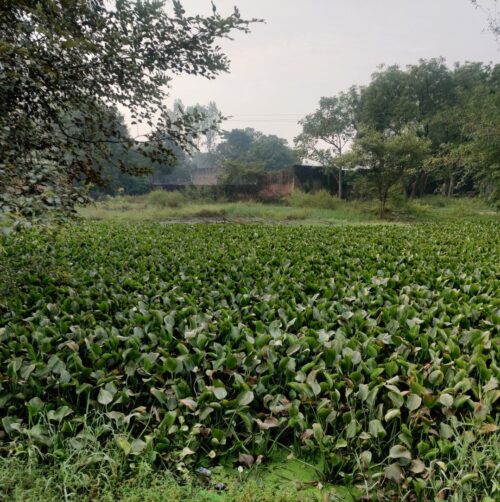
(414, 189)
(451, 186)
(423, 183)
(340, 173)
(383, 201)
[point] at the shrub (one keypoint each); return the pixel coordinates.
(321, 200)
(362, 189)
(211, 213)
(162, 198)
(202, 194)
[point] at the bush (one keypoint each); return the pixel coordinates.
(162, 198)
(211, 213)
(202, 194)
(362, 189)
(321, 200)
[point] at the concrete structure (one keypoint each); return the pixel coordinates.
(271, 185)
(205, 177)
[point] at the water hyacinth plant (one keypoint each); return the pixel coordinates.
(370, 351)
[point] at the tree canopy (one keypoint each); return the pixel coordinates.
(251, 146)
(427, 127)
(66, 63)
(327, 132)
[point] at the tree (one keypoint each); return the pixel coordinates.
(493, 16)
(384, 104)
(426, 97)
(78, 58)
(205, 130)
(386, 158)
(237, 173)
(327, 132)
(251, 146)
(481, 124)
(465, 134)
(212, 117)
(116, 167)
(236, 144)
(273, 152)
(430, 93)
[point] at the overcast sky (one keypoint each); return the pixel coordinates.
(313, 48)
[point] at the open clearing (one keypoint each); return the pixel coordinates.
(305, 209)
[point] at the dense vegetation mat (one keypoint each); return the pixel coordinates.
(372, 351)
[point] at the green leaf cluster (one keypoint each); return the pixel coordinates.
(366, 346)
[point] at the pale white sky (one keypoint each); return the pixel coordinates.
(313, 48)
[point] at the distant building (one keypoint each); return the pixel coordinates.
(207, 177)
(271, 185)
(278, 184)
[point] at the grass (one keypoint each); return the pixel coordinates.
(99, 472)
(474, 474)
(34, 483)
(162, 198)
(300, 208)
(230, 211)
(93, 468)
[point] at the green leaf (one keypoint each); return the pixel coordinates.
(35, 405)
(318, 432)
(446, 431)
(413, 402)
(399, 451)
(351, 429)
(105, 397)
(341, 443)
(446, 400)
(436, 377)
(246, 398)
(313, 384)
(391, 414)
(124, 444)
(189, 403)
(219, 392)
(366, 458)
(417, 466)
(363, 392)
(137, 446)
(11, 424)
(59, 414)
(377, 429)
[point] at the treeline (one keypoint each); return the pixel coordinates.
(241, 155)
(423, 129)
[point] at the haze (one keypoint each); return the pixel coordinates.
(313, 48)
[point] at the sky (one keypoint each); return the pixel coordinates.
(307, 49)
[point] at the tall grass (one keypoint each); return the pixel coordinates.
(321, 200)
(92, 467)
(162, 198)
(300, 207)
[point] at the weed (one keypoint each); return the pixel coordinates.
(162, 198)
(321, 199)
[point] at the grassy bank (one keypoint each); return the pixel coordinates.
(299, 209)
(101, 473)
